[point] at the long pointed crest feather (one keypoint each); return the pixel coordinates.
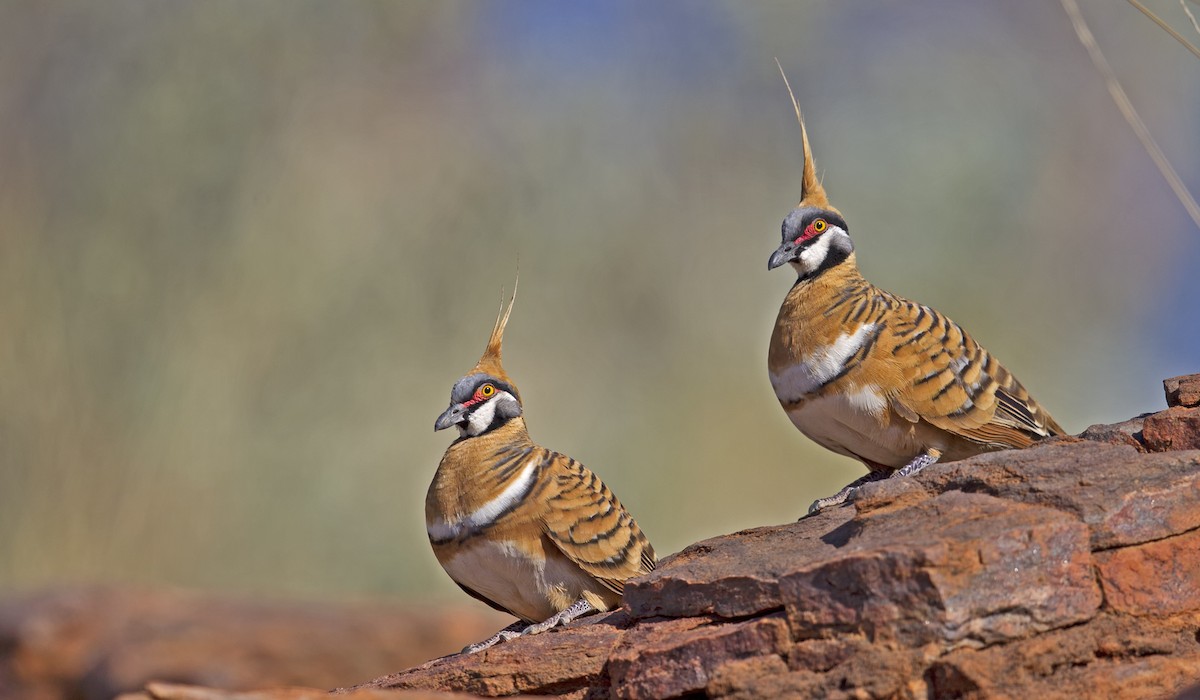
(812, 193)
(490, 362)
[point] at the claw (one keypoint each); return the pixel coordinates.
(918, 463)
(841, 496)
(519, 629)
(579, 607)
(511, 632)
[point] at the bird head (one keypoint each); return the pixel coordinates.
(485, 398)
(815, 236)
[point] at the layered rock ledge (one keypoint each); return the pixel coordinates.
(1070, 569)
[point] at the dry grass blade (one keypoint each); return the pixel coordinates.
(1188, 11)
(1139, 127)
(1166, 27)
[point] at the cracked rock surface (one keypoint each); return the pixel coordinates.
(1067, 570)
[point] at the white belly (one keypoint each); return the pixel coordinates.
(855, 425)
(532, 588)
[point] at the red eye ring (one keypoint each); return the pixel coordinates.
(814, 229)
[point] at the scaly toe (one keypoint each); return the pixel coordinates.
(502, 636)
(829, 501)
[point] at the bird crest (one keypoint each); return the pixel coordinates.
(490, 362)
(812, 193)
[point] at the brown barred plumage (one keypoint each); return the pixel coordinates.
(874, 376)
(527, 530)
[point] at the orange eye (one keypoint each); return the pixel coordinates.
(819, 225)
(487, 391)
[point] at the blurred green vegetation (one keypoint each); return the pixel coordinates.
(246, 249)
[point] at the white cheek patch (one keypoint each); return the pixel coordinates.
(812, 256)
(799, 380)
(481, 418)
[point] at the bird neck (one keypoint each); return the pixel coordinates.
(812, 297)
(473, 469)
(479, 449)
(844, 273)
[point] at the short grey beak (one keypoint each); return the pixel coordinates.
(451, 416)
(782, 255)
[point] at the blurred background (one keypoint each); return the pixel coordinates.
(247, 248)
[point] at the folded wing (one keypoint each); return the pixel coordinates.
(953, 383)
(591, 527)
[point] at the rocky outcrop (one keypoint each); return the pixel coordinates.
(1067, 570)
(1071, 569)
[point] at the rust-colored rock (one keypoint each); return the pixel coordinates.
(1113, 656)
(1126, 497)
(559, 660)
(747, 685)
(1153, 578)
(1125, 433)
(1176, 428)
(823, 654)
(668, 659)
(733, 576)
(958, 568)
(730, 678)
(908, 593)
(1183, 391)
(875, 673)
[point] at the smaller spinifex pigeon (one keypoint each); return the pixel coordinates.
(527, 530)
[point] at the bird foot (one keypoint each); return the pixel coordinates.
(579, 607)
(919, 462)
(519, 629)
(841, 496)
(511, 632)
